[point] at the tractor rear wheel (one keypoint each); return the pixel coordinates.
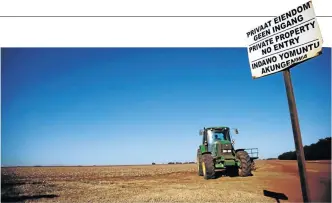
(245, 163)
(208, 167)
(253, 165)
(199, 163)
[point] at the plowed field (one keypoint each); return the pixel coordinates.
(163, 183)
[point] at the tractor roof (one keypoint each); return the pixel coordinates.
(217, 127)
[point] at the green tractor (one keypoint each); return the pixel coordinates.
(217, 153)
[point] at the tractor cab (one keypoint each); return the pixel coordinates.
(217, 141)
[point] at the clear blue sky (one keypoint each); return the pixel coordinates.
(137, 106)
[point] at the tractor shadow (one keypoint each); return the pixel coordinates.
(275, 195)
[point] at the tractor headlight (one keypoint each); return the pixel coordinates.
(224, 151)
(229, 150)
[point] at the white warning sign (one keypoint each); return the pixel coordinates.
(284, 41)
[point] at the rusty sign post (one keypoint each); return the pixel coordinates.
(278, 45)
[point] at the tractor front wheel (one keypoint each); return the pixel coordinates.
(199, 163)
(208, 167)
(245, 163)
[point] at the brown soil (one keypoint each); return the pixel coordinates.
(318, 178)
(163, 183)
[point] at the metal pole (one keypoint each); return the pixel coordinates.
(297, 135)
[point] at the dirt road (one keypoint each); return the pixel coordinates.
(162, 183)
(319, 180)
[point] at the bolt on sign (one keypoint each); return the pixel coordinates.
(284, 41)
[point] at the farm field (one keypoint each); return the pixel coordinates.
(162, 183)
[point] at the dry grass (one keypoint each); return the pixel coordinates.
(157, 183)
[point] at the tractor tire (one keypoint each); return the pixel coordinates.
(253, 165)
(208, 167)
(199, 163)
(245, 163)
